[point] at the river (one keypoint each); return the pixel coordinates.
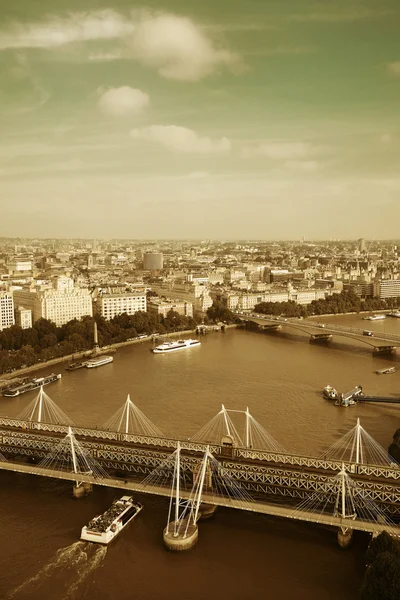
(280, 378)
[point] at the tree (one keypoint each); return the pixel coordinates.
(382, 543)
(382, 578)
(219, 312)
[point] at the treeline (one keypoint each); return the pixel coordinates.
(382, 577)
(336, 304)
(219, 312)
(20, 348)
(394, 448)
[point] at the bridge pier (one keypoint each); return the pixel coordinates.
(345, 537)
(206, 511)
(180, 536)
(320, 338)
(384, 350)
(82, 489)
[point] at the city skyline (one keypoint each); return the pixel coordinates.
(174, 120)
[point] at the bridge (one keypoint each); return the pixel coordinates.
(355, 479)
(381, 343)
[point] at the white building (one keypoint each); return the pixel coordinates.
(387, 288)
(162, 307)
(238, 301)
(58, 305)
(6, 310)
(197, 294)
(111, 305)
(23, 317)
(18, 266)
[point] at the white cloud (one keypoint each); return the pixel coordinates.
(177, 48)
(122, 101)
(104, 56)
(58, 31)
(394, 67)
(386, 138)
(280, 150)
(348, 14)
(174, 45)
(181, 139)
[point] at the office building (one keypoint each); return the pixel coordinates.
(153, 261)
(23, 317)
(6, 310)
(110, 305)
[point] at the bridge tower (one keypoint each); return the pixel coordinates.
(344, 507)
(182, 532)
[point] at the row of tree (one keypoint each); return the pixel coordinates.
(346, 301)
(382, 577)
(45, 341)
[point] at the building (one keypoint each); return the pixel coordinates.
(110, 305)
(23, 317)
(6, 310)
(20, 266)
(196, 294)
(59, 305)
(153, 261)
(162, 307)
(387, 288)
(247, 301)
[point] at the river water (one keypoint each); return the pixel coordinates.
(280, 378)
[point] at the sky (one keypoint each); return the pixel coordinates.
(247, 119)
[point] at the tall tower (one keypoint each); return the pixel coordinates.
(362, 245)
(95, 339)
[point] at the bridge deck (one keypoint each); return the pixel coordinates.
(256, 507)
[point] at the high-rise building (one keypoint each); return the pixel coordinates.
(362, 247)
(153, 261)
(387, 288)
(110, 305)
(6, 310)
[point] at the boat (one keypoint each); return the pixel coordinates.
(33, 384)
(104, 528)
(173, 346)
(395, 313)
(375, 318)
(75, 365)
(99, 361)
(330, 393)
(386, 371)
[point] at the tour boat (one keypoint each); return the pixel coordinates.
(386, 371)
(395, 313)
(330, 393)
(35, 383)
(173, 346)
(99, 361)
(375, 318)
(104, 528)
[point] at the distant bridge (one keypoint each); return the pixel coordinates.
(380, 342)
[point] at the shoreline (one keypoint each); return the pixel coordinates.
(7, 377)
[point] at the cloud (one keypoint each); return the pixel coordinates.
(104, 56)
(177, 48)
(173, 45)
(280, 150)
(181, 139)
(122, 101)
(394, 67)
(57, 31)
(348, 14)
(386, 138)
(306, 166)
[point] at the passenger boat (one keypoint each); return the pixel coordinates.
(99, 361)
(330, 393)
(104, 528)
(386, 371)
(33, 384)
(375, 318)
(173, 346)
(395, 314)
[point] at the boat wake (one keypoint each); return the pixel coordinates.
(65, 572)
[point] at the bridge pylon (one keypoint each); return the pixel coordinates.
(345, 508)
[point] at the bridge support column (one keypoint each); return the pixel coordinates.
(345, 537)
(78, 490)
(180, 536)
(206, 511)
(320, 338)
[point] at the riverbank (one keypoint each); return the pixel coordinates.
(7, 378)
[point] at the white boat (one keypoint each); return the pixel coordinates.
(395, 313)
(99, 361)
(173, 346)
(386, 371)
(375, 318)
(104, 528)
(330, 393)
